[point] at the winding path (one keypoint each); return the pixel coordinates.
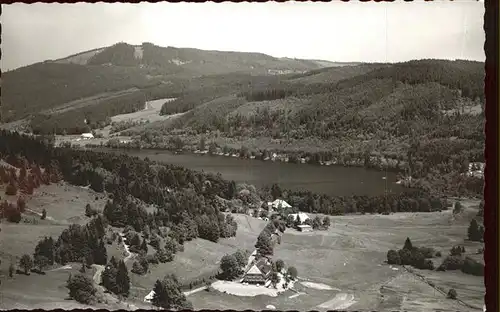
(423, 279)
(98, 276)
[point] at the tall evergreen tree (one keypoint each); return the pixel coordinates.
(473, 231)
(122, 279)
(408, 245)
(109, 280)
(144, 246)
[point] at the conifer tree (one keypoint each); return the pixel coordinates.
(122, 279)
(408, 245)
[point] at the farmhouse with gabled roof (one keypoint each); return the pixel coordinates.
(259, 272)
(279, 204)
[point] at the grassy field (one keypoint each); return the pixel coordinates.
(349, 257)
(200, 258)
(65, 204)
(151, 112)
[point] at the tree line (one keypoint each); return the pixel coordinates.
(31, 89)
(184, 198)
(94, 116)
(421, 258)
(306, 201)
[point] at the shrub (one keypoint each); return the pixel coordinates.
(292, 272)
(12, 270)
(13, 214)
(393, 257)
(81, 288)
(280, 264)
(458, 207)
(164, 256)
(427, 252)
(152, 259)
(26, 263)
(137, 268)
(471, 266)
(452, 263)
(21, 204)
(140, 266)
(457, 250)
(44, 214)
(405, 256)
(452, 294)
(230, 267)
(11, 189)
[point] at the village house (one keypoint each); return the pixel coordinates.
(304, 228)
(303, 217)
(259, 272)
(87, 136)
(278, 205)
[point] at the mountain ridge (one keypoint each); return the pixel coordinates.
(45, 85)
(321, 63)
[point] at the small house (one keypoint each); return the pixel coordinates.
(304, 228)
(259, 272)
(279, 204)
(301, 216)
(149, 297)
(87, 136)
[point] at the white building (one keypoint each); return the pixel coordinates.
(149, 296)
(304, 228)
(303, 216)
(87, 136)
(278, 204)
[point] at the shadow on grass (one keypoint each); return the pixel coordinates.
(37, 271)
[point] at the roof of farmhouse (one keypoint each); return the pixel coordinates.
(279, 202)
(254, 270)
(302, 216)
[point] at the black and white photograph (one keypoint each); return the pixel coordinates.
(306, 156)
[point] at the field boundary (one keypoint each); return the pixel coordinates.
(439, 289)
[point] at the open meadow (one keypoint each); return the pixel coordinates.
(350, 258)
(65, 205)
(339, 268)
(183, 173)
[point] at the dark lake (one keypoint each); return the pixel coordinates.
(330, 180)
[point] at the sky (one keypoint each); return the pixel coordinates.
(334, 31)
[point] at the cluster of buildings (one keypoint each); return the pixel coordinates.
(476, 169)
(279, 205)
(86, 136)
(259, 268)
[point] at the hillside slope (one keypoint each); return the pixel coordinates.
(425, 117)
(32, 89)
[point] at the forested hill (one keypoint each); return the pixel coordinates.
(438, 99)
(190, 202)
(36, 88)
(427, 116)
